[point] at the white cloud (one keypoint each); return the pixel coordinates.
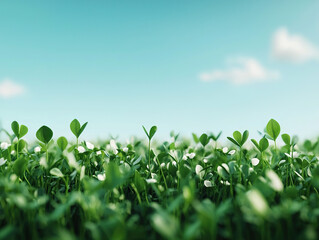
(292, 47)
(249, 70)
(9, 89)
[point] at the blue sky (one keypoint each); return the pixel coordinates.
(188, 66)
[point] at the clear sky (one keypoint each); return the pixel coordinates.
(188, 66)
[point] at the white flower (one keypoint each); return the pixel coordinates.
(113, 144)
(199, 172)
(101, 176)
(2, 161)
(232, 152)
(208, 183)
(225, 167)
(255, 161)
(281, 162)
(257, 201)
(189, 155)
(205, 160)
(43, 162)
(292, 155)
(98, 153)
(81, 149)
(162, 165)
(89, 145)
(225, 183)
(174, 163)
(225, 149)
(152, 180)
(125, 149)
(4, 145)
(275, 181)
(37, 149)
(13, 152)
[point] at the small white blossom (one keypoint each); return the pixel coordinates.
(101, 176)
(37, 149)
(43, 162)
(4, 145)
(125, 149)
(281, 162)
(232, 152)
(13, 152)
(292, 155)
(205, 160)
(225, 183)
(81, 149)
(225, 149)
(152, 180)
(208, 183)
(225, 167)
(98, 153)
(89, 145)
(162, 165)
(189, 155)
(2, 161)
(199, 172)
(255, 161)
(257, 201)
(174, 164)
(113, 144)
(275, 181)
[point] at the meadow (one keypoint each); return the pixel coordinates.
(144, 189)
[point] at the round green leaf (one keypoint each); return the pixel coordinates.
(56, 172)
(62, 143)
(21, 144)
(153, 131)
(245, 137)
(204, 139)
(273, 129)
(237, 136)
(286, 138)
(44, 134)
(15, 128)
(75, 127)
(263, 144)
(255, 143)
(23, 131)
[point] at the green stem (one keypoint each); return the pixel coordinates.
(47, 154)
(137, 193)
(149, 156)
(27, 180)
(162, 173)
(18, 149)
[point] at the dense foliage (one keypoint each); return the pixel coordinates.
(179, 189)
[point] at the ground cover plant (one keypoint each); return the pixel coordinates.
(144, 189)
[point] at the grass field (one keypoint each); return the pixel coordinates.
(180, 189)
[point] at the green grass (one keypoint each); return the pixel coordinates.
(181, 189)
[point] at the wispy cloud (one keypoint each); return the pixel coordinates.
(248, 70)
(10, 89)
(292, 47)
